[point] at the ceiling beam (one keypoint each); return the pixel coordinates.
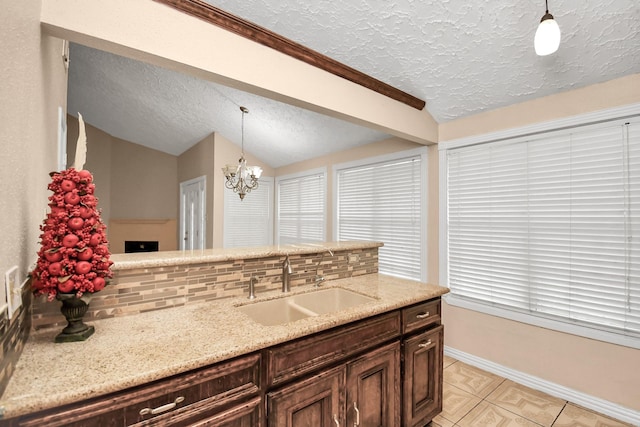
(244, 28)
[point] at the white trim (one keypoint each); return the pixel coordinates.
(583, 399)
(62, 139)
(557, 124)
(316, 171)
(420, 151)
(424, 215)
(423, 152)
(443, 268)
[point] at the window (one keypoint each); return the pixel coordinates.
(384, 200)
(301, 207)
(249, 222)
(549, 226)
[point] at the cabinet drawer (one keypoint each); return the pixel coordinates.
(421, 315)
(302, 356)
(203, 391)
(244, 415)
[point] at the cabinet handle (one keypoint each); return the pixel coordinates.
(424, 344)
(335, 420)
(161, 409)
(357, 411)
(422, 315)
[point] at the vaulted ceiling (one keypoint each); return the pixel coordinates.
(460, 56)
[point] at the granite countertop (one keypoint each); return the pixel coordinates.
(168, 258)
(132, 350)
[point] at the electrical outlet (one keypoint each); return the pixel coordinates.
(353, 258)
(13, 288)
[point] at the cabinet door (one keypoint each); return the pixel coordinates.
(373, 388)
(314, 402)
(422, 384)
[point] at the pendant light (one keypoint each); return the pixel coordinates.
(242, 178)
(547, 37)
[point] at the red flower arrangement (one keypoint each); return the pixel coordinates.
(74, 253)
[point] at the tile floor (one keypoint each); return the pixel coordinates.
(476, 398)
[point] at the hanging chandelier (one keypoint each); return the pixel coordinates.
(242, 178)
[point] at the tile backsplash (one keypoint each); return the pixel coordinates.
(145, 289)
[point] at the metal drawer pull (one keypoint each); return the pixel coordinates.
(422, 315)
(335, 420)
(424, 344)
(355, 408)
(163, 408)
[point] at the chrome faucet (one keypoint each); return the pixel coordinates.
(286, 271)
(319, 279)
(252, 287)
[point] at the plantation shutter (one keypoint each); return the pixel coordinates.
(550, 225)
(301, 209)
(382, 202)
(249, 222)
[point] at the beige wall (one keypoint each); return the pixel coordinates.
(144, 182)
(596, 368)
(193, 163)
(132, 182)
(33, 87)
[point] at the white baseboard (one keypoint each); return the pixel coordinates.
(585, 400)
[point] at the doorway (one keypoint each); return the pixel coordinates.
(193, 213)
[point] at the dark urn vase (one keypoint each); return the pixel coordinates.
(73, 309)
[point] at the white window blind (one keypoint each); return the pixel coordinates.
(301, 208)
(550, 225)
(249, 222)
(383, 202)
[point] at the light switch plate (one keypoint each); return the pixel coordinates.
(13, 287)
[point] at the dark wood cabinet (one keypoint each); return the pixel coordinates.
(183, 400)
(315, 402)
(422, 380)
(309, 354)
(392, 368)
(373, 388)
(362, 392)
(382, 371)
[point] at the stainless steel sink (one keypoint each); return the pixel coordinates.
(296, 307)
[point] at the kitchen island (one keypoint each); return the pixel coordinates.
(133, 350)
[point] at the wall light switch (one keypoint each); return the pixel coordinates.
(13, 288)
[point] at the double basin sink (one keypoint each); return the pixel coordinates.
(296, 307)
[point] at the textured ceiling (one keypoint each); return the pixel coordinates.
(460, 56)
(170, 111)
